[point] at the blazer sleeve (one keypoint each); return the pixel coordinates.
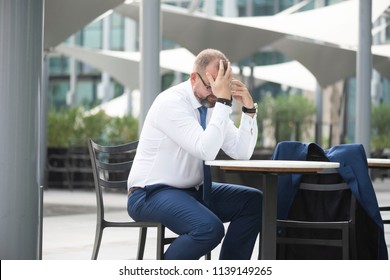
(288, 184)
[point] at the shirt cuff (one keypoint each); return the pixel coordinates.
(247, 122)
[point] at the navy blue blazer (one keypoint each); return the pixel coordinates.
(353, 169)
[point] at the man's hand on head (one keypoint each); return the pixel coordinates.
(221, 84)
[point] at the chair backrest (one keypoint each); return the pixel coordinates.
(321, 197)
(324, 200)
(111, 166)
(370, 243)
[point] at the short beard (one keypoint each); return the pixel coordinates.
(208, 102)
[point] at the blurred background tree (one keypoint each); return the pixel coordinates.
(291, 116)
(73, 127)
(380, 127)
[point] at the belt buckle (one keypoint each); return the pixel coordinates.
(132, 189)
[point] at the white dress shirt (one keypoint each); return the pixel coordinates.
(173, 144)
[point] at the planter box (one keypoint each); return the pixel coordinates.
(68, 168)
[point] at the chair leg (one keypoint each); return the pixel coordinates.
(345, 246)
(281, 251)
(352, 243)
(160, 242)
(98, 240)
(141, 243)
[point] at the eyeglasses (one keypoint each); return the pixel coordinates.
(208, 87)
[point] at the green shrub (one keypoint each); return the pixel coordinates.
(290, 115)
(380, 127)
(61, 127)
(122, 130)
(74, 127)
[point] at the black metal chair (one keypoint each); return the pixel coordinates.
(321, 220)
(321, 223)
(357, 206)
(111, 166)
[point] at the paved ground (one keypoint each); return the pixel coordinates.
(69, 228)
(70, 218)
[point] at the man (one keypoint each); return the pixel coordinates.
(166, 180)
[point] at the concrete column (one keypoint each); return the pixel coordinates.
(210, 7)
(319, 3)
(105, 88)
(319, 116)
(319, 98)
(71, 99)
(363, 77)
(249, 8)
(150, 79)
(43, 109)
(376, 84)
(21, 32)
(130, 46)
(230, 8)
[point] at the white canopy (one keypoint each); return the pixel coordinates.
(118, 107)
(65, 17)
(324, 40)
(334, 24)
(328, 64)
(124, 66)
(197, 31)
(291, 74)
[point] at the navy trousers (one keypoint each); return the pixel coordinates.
(200, 228)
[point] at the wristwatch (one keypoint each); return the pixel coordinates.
(227, 102)
(250, 110)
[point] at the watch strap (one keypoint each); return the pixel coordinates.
(227, 102)
(250, 110)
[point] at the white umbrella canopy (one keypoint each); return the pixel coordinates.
(327, 46)
(324, 40)
(328, 64)
(124, 66)
(119, 106)
(65, 17)
(237, 37)
(335, 24)
(196, 31)
(291, 74)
